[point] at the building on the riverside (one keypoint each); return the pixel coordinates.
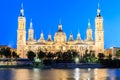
(60, 42)
(112, 50)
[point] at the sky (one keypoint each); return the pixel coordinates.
(74, 16)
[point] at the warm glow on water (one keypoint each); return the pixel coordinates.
(60, 74)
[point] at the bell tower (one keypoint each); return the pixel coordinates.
(31, 32)
(99, 32)
(89, 32)
(21, 34)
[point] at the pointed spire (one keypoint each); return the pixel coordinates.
(31, 25)
(89, 25)
(98, 11)
(71, 37)
(60, 26)
(41, 39)
(22, 10)
(78, 36)
(49, 37)
(42, 36)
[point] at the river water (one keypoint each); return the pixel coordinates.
(59, 74)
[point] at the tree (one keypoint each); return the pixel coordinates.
(15, 55)
(58, 55)
(68, 55)
(1, 53)
(31, 55)
(101, 55)
(6, 52)
(118, 53)
(75, 54)
(50, 55)
(41, 54)
(109, 57)
(89, 57)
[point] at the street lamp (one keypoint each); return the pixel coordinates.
(76, 60)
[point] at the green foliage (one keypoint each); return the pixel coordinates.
(59, 55)
(109, 56)
(101, 55)
(14, 55)
(118, 53)
(7, 53)
(50, 55)
(41, 54)
(69, 55)
(89, 57)
(75, 54)
(31, 55)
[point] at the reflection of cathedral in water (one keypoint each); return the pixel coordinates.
(60, 42)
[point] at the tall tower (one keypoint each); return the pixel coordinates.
(89, 33)
(21, 34)
(31, 32)
(99, 32)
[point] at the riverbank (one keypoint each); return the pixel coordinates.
(58, 66)
(49, 64)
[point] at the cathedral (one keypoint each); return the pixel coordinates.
(60, 42)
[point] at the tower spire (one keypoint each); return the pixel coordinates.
(60, 26)
(98, 11)
(71, 37)
(49, 37)
(78, 36)
(31, 25)
(22, 10)
(42, 36)
(89, 24)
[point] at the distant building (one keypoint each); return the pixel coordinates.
(60, 42)
(112, 50)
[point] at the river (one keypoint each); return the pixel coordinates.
(59, 74)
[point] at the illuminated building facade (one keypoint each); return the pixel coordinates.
(60, 42)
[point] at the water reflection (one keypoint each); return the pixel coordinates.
(36, 74)
(60, 74)
(21, 74)
(77, 74)
(5, 74)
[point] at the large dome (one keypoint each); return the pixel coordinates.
(60, 35)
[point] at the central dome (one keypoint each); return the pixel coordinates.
(60, 36)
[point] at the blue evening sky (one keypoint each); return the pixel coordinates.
(74, 15)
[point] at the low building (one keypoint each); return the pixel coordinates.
(112, 50)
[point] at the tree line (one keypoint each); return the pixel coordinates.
(70, 55)
(8, 53)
